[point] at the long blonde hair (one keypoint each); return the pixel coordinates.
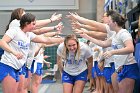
(66, 51)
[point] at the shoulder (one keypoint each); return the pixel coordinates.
(60, 46)
(84, 46)
(60, 49)
(13, 30)
(124, 35)
(14, 23)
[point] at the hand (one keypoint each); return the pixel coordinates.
(76, 25)
(83, 34)
(77, 31)
(18, 55)
(55, 17)
(72, 16)
(59, 27)
(101, 65)
(45, 56)
(47, 63)
(107, 54)
(120, 69)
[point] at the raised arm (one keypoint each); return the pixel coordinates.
(43, 30)
(77, 25)
(50, 34)
(100, 26)
(94, 34)
(47, 40)
(106, 43)
(54, 17)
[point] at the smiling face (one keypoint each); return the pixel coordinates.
(72, 45)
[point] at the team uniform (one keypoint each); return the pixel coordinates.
(108, 63)
(95, 70)
(38, 63)
(14, 23)
(20, 42)
(109, 67)
(127, 61)
(74, 68)
(30, 58)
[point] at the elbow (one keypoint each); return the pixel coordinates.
(104, 45)
(131, 50)
(1, 43)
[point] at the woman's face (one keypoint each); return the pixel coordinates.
(105, 18)
(31, 26)
(111, 23)
(71, 45)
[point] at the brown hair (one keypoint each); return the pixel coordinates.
(16, 14)
(26, 19)
(116, 17)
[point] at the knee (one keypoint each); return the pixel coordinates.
(36, 83)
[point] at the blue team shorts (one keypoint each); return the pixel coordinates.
(93, 72)
(129, 71)
(8, 70)
(112, 64)
(107, 74)
(37, 68)
(66, 78)
(32, 66)
(98, 71)
(24, 71)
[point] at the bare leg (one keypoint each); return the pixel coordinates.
(92, 84)
(9, 85)
(79, 86)
(104, 87)
(109, 88)
(98, 85)
(115, 82)
(21, 84)
(126, 85)
(29, 81)
(36, 80)
(67, 88)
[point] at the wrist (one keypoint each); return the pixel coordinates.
(54, 28)
(13, 52)
(82, 25)
(112, 52)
